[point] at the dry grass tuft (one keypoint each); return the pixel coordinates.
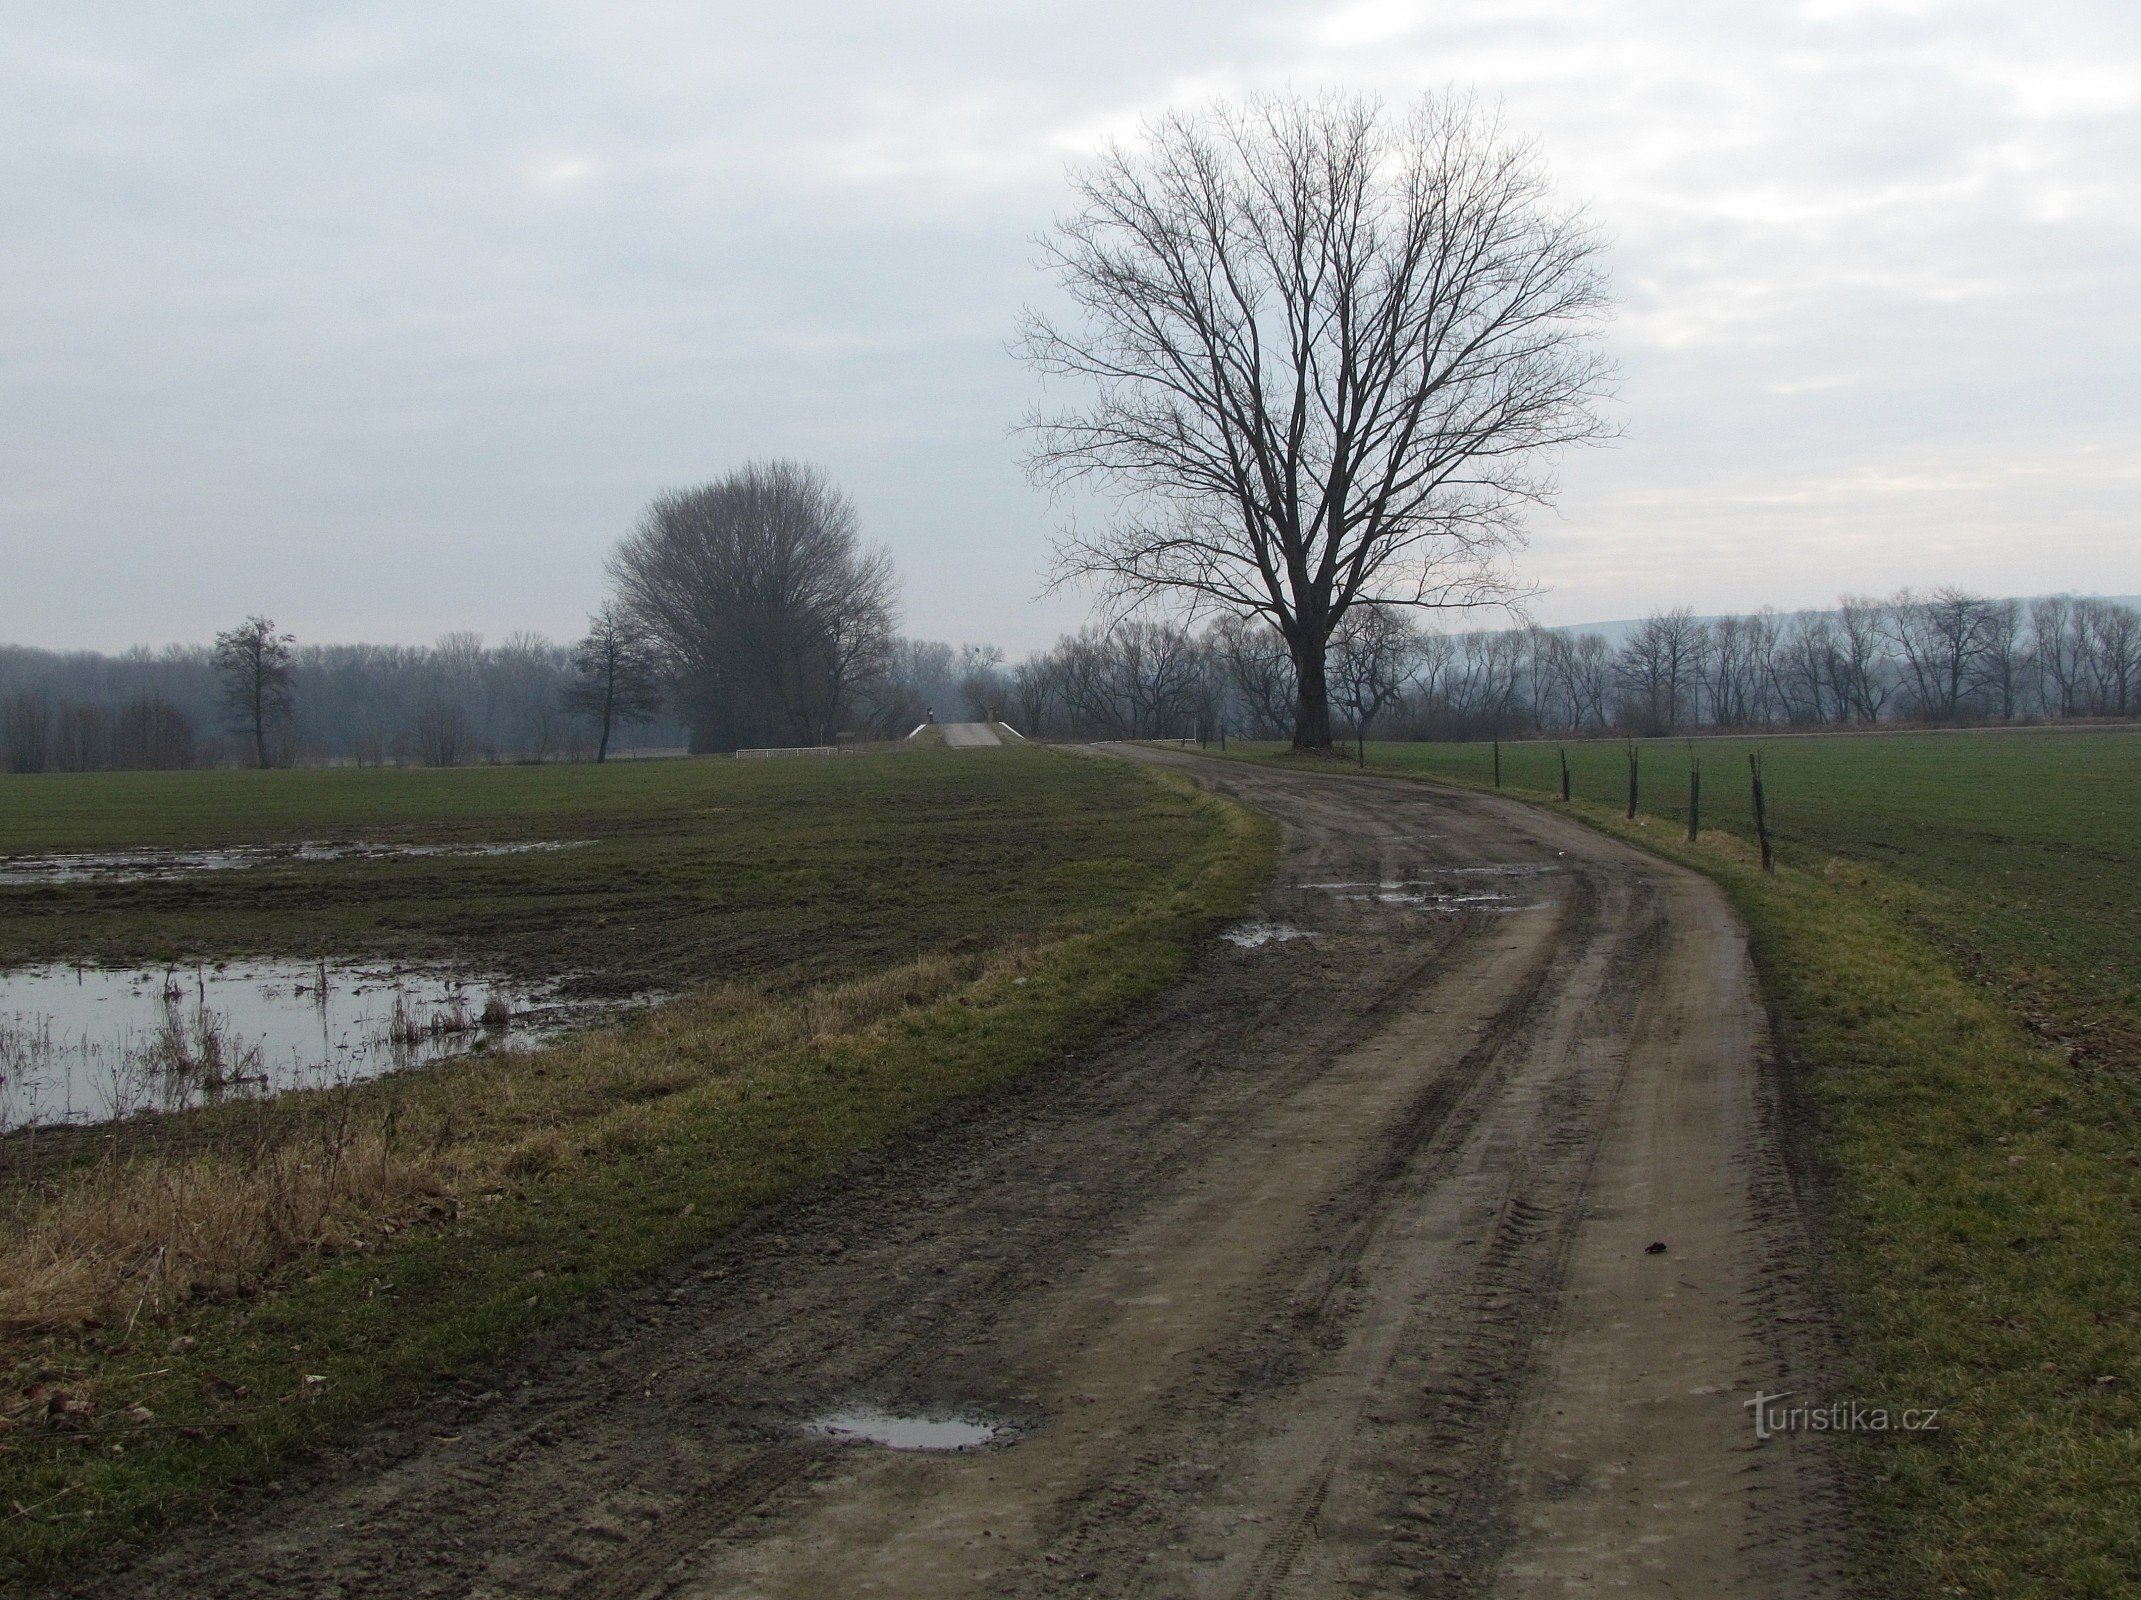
(146, 1227)
(125, 1237)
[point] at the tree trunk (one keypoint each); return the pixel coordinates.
(1312, 697)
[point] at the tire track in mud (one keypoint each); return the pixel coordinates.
(1305, 1282)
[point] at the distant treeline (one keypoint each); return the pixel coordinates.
(454, 703)
(1944, 657)
(448, 704)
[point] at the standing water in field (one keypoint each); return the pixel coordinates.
(137, 866)
(87, 1044)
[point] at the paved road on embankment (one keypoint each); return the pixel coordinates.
(1332, 1275)
(969, 735)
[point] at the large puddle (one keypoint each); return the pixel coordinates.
(862, 1425)
(1435, 892)
(135, 866)
(88, 1044)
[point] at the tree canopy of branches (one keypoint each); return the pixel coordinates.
(253, 664)
(1329, 352)
(770, 611)
(1375, 651)
(618, 675)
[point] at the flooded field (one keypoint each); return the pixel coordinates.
(87, 1044)
(143, 866)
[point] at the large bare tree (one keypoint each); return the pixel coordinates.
(1328, 350)
(760, 592)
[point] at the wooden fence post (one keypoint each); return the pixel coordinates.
(1761, 812)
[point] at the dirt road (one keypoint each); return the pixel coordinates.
(1337, 1274)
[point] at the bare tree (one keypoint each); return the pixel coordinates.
(1858, 678)
(26, 732)
(1740, 684)
(619, 675)
(2110, 647)
(2002, 659)
(760, 592)
(1483, 682)
(1259, 670)
(1801, 672)
(1941, 639)
(440, 732)
(1141, 679)
(1331, 349)
(1374, 651)
(2053, 650)
(253, 662)
(1433, 660)
(1590, 679)
(1158, 677)
(1661, 668)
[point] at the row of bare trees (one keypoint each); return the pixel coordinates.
(1941, 657)
(451, 703)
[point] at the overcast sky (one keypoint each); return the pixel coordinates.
(386, 319)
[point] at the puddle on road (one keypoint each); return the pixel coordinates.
(863, 1425)
(88, 1044)
(1397, 896)
(138, 866)
(1434, 893)
(1255, 935)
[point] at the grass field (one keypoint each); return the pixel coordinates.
(771, 872)
(189, 1310)
(2025, 845)
(1952, 949)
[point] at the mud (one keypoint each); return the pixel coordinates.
(1329, 1275)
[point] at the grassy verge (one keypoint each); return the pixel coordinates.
(2020, 843)
(323, 1257)
(1981, 1214)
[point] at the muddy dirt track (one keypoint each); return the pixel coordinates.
(1333, 1275)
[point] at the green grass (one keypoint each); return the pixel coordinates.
(2025, 845)
(781, 871)
(1948, 948)
(601, 1162)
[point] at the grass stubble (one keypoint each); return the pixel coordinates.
(1959, 1035)
(186, 1313)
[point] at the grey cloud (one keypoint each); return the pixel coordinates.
(386, 318)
